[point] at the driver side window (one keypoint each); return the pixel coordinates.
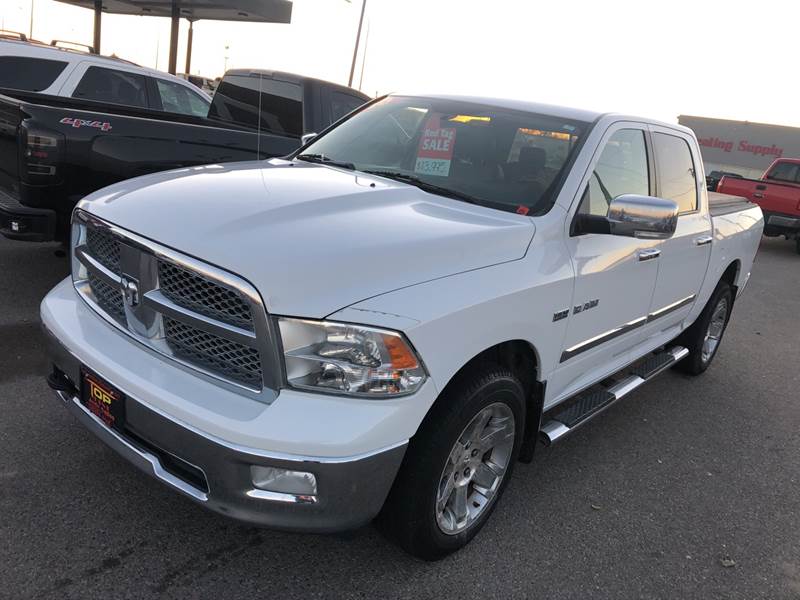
(621, 169)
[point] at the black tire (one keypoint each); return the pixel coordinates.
(409, 516)
(694, 337)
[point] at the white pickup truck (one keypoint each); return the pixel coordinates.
(383, 323)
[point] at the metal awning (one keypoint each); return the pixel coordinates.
(259, 11)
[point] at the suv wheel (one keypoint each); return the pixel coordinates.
(704, 336)
(457, 465)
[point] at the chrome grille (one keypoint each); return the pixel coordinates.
(198, 293)
(108, 297)
(232, 360)
(206, 319)
(104, 247)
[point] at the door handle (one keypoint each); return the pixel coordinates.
(649, 254)
(703, 240)
(761, 186)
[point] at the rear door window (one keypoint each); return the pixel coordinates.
(245, 100)
(29, 74)
(177, 98)
(676, 174)
(112, 86)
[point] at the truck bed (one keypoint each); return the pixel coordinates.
(723, 204)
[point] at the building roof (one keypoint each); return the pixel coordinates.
(263, 11)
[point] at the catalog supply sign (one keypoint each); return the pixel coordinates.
(435, 151)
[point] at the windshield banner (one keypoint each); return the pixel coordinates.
(435, 150)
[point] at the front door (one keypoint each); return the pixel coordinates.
(614, 276)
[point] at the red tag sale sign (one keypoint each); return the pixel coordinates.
(435, 151)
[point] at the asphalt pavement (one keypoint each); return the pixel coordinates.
(688, 488)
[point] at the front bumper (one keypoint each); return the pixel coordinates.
(201, 438)
(217, 475)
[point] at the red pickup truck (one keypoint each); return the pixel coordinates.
(778, 195)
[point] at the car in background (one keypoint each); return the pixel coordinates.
(30, 66)
(63, 139)
(778, 195)
(209, 86)
(714, 177)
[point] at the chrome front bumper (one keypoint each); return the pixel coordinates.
(217, 475)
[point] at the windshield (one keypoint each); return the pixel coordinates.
(505, 159)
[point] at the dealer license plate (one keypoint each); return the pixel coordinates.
(105, 401)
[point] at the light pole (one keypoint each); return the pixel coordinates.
(30, 30)
(226, 59)
(358, 37)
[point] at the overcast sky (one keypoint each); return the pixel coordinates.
(728, 59)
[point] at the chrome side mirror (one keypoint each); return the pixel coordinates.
(636, 216)
(306, 138)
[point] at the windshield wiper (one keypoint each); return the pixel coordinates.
(428, 187)
(324, 160)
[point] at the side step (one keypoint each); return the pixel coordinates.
(589, 405)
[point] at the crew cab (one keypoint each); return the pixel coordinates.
(77, 122)
(384, 322)
(778, 195)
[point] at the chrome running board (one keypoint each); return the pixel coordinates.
(586, 406)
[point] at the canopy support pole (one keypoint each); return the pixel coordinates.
(98, 22)
(358, 38)
(173, 36)
(189, 48)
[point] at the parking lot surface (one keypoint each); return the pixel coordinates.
(688, 488)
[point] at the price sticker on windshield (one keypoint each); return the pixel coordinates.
(435, 152)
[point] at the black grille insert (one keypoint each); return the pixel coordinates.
(108, 298)
(232, 360)
(204, 296)
(104, 247)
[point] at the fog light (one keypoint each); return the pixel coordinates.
(284, 481)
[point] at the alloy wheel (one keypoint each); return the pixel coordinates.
(714, 331)
(475, 468)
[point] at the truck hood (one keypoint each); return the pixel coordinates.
(311, 238)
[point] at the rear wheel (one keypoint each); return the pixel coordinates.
(457, 465)
(703, 338)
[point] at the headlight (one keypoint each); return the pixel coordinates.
(349, 359)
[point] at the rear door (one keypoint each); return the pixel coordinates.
(684, 256)
(614, 275)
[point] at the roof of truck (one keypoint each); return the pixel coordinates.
(562, 112)
(294, 77)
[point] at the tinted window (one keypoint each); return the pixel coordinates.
(784, 172)
(177, 98)
(621, 169)
(238, 98)
(342, 104)
(676, 171)
(112, 86)
(506, 159)
(29, 74)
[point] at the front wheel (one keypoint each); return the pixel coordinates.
(457, 465)
(703, 338)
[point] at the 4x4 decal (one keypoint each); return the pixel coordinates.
(101, 125)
